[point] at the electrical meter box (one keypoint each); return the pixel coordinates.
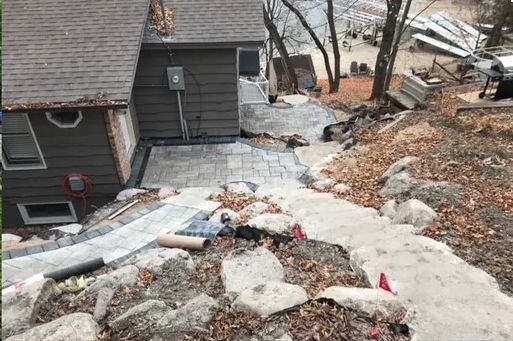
(175, 78)
(76, 184)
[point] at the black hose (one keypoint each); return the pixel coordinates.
(77, 269)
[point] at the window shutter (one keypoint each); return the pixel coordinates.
(15, 124)
(18, 144)
(20, 147)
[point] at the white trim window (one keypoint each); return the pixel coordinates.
(20, 149)
(48, 212)
(65, 119)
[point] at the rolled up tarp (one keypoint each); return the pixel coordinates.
(76, 269)
(183, 242)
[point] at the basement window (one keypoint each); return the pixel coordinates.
(65, 119)
(20, 150)
(48, 213)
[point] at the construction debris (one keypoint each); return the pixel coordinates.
(163, 21)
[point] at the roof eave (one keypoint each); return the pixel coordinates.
(203, 45)
(64, 106)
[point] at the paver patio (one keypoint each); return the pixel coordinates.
(217, 164)
(306, 119)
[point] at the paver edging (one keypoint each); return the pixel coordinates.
(80, 238)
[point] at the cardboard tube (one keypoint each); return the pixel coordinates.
(183, 242)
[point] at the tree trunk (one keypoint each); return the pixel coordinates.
(334, 44)
(378, 87)
(316, 41)
(399, 33)
(282, 49)
(495, 37)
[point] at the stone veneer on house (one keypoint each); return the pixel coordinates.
(118, 146)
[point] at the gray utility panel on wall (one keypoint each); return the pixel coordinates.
(175, 78)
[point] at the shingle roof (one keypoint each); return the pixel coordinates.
(213, 21)
(64, 50)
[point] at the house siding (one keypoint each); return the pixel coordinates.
(210, 101)
(84, 149)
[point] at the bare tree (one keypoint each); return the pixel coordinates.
(269, 9)
(334, 43)
(397, 40)
(500, 13)
(385, 50)
(333, 82)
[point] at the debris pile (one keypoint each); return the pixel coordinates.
(315, 320)
(162, 21)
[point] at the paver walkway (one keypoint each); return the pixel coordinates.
(217, 164)
(115, 245)
(452, 300)
(306, 119)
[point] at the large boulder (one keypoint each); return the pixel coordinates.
(255, 208)
(365, 299)
(160, 259)
(272, 222)
(77, 326)
(416, 213)
(269, 298)
(245, 269)
(146, 313)
(398, 167)
(8, 239)
(103, 299)
(323, 184)
(341, 188)
(389, 209)
(125, 276)
(192, 317)
(399, 184)
(20, 307)
(129, 193)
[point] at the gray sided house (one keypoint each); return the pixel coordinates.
(83, 81)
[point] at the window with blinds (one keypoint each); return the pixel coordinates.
(19, 145)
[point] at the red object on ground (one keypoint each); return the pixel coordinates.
(299, 232)
(374, 333)
(383, 283)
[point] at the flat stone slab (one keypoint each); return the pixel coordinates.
(70, 228)
(364, 299)
(193, 316)
(21, 307)
(125, 276)
(272, 222)
(245, 269)
(269, 298)
(451, 299)
(295, 99)
(8, 238)
(157, 260)
(255, 208)
(77, 326)
(196, 197)
(145, 313)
